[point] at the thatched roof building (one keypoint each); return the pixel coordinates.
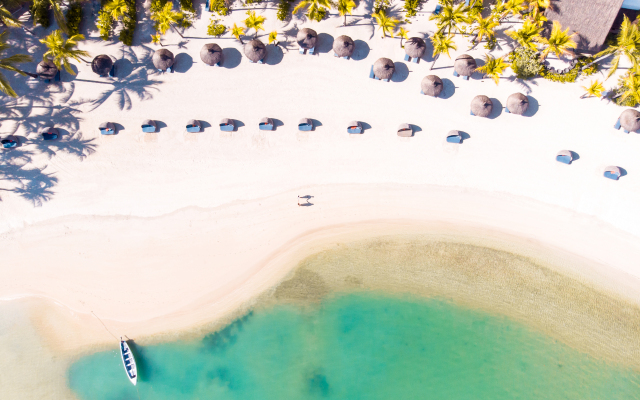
(517, 103)
(415, 47)
(383, 68)
(163, 59)
(211, 54)
(630, 120)
(431, 85)
(102, 64)
(481, 106)
(46, 70)
(343, 46)
(255, 50)
(465, 65)
(591, 19)
(307, 38)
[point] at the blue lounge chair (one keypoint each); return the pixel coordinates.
(406, 57)
(170, 69)
(335, 54)
(416, 60)
(305, 125)
(9, 143)
(148, 128)
(266, 124)
(471, 112)
(454, 139)
(612, 175)
(385, 80)
(437, 10)
(371, 74)
(506, 109)
(455, 73)
(159, 70)
(193, 126)
(301, 51)
(260, 62)
(354, 130)
(112, 72)
(226, 127)
(107, 128)
(354, 127)
(617, 125)
(564, 159)
(346, 57)
(311, 50)
(421, 91)
(49, 133)
(465, 77)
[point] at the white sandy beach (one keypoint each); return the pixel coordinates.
(161, 232)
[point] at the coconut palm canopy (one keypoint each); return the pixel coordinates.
(481, 106)
(465, 65)
(383, 68)
(431, 85)
(630, 120)
(211, 54)
(518, 103)
(102, 64)
(255, 50)
(415, 47)
(46, 69)
(307, 38)
(343, 46)
(162, 59)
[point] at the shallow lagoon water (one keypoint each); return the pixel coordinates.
(362, 345)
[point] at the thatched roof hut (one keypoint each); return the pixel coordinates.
(307, 38)
(255, 50)
(211, 54)
(383, 68)
(481, 106)
(343, 46)
(465, 65)
(102, 64)
(630, 120)
(415, 47)
(46, 69)
(517, 103)
(163, 59)
(431, 85)
(405, 130)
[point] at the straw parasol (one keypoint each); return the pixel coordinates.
(307, 38)
(211, 54)
(343, 46)
(102, 64)
(465, 65)
(630, 120)
(481, 106)
(517, 103)
(383, 68)
(162, 59)
(255, 50)
(415, 47)
(46, 69)
(431, 85)
(405, 130)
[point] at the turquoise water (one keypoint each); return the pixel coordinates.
(360, 347)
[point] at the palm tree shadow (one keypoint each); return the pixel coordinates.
(136, 84)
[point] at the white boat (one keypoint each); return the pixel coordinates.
(129, 362)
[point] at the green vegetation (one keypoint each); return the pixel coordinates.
(316, 9)
(40, 13)
(441, 45)
(254, 21)
(219, 7)
(165, 19)
(129, 20)
(60, 51)
(345, 7)
(411, 7)
(237, 31)
(525, 63)
(386, 24)
(187, 6)
(572, 75)
(595, 89)
(493, 68)
(74, 17)
(104, 24)
(559, 42)
(381, 5)
(283, 9)
(10, 64)
(215, 29)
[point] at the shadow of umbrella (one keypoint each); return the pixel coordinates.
(496, 111)
(274, 55)
(533, 107)
(231, 58)
(449, 89)
(183, 62)
(360, 50)
(401, 72)
(325, 43)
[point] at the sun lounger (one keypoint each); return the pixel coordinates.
(148, 128)
(346, 57)
(437, 10)
(312, 50)
(260, 62)
(506, 109)
(301, 51)
(371, 74)
(112, 71)
(471, 112)
(617, 125)
(159, 70)
(454, 139)
(465, 77)
(455, 73)
(304, 127)
(265, 127)
(354, 129)
(217, 64)
(564, 159)
(9, 143)
(385, 80)
(226, 127)
(611, 175)
(107, 128)
(406, 57)
(193, 128)
(335, 54)
(421, 91)
(170, 69)
(415, 61)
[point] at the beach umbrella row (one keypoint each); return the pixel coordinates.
(517, 103)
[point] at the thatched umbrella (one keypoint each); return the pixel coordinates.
(46, 69)
(162, 59)
(343, 46)
(431, 85)
(211, 54)
(517, 103)
(481, 106)
(405, 130)
(107, 128)
(307, 38)
(612, 172)
(102, 64)
(630, 120)
(383, 68)
(415, 47)
(465, 65)
(255, 50)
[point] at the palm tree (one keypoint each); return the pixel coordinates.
(594, 89)
(345, 7)
(167, 18)
(254, 21)
(403, 34)
(273, 37)
(526, 35)
(10, 64)
(5, 15)
(450, 17)
(513, 7)
(386, 24)
(537, 17)
(237, 31)
(493, 67)
(484, 27)
(533, 4)
(441, 45)
(117, 9)
(60, 50)
(627, 44)
(559, 42)
(631, 83)
(313, 7)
